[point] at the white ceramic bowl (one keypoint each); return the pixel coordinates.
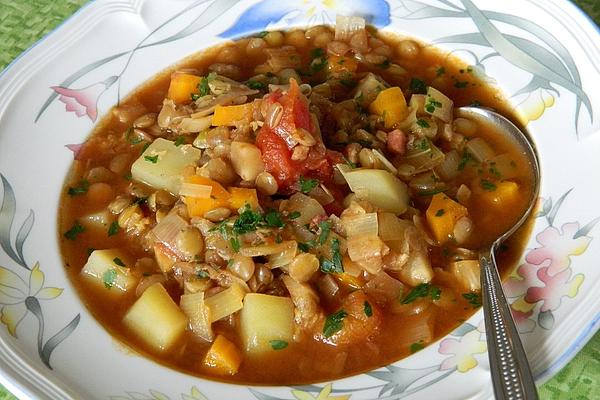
(543, 54)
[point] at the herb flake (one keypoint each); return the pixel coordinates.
(75, 230)
(474, 299)
(278, 344)
(334, 323)
(81, 188)
(153, 159)
(114, 228)
(368, 309)
(109, 277)
(307, 184)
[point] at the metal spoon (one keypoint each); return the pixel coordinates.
(511, 375)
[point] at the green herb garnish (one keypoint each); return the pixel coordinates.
(440, 212)
(368, 309)
(466, 157)
(461, 84)
(487, 185)
(262, 34)
(109, 277)
(179, 141)
(325, 227)
(384, 65)
(317, 53)
(118, 262)
(334, 323)
(256, 85)
(114, 228)
(422, 123)
(307, 184)
(422, 290)
(432, 104)
(235, 243)
(248, 221)
(334, 265)
(273, 219)
(75, 230)
(294, 215)
(474, 299)
(440, 71)
(152, 159)
(278, 344)
(417, 86)
(81, 188)
(417, 346)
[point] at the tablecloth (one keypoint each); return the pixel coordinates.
(22, 22)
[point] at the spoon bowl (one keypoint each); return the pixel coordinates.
(511, 374)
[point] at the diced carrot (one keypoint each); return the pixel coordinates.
(231, 115)
(504, 194)
(242, 196)
(355, 282)
(182, 87)
(219, 197)
(442, 214)
(340, 64)
(391, 105)
(223, 357)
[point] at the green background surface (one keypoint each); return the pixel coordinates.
(23, 22)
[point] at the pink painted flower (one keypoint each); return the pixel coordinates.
(522, 320)
(75, 148)
(84, 101)
(463, 350)
(556, 287)
(558, 246)
(522, 279)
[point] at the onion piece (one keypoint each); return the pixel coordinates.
(195, 190)
(391, 227)
(438, 104)
(466, 272)
(282, 57)
(193, 125)
(346, 27)
(423, 155)
(199, 315)
(361, 225)
(462, 230)
(168, 228)
(284, 257)
(504, 165)
(266, 249)
(463, 194)
(306, 206)
(383, 288)
(480, 149)
(386, 163)
(449, 168)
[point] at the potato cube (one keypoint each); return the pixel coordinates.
(263, 319)
(160, 166)
(110, 269)
(156, 319)
(99, 221)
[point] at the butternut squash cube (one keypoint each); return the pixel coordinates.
(391, 105)
(263, 319)
(442, 214)
(223, 357)
(504, 194)
(109, 268)
(232, 115)
(182, 87)
(156, 319)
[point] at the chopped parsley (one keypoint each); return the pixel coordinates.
(368, 309)
(334, 323)
(131, 138)
(179, 141)
(349, 163)
(114, 228)
(495, 172)
(325, 227)
(430, 192)
(417, 86)
(335, 264)
(384, 65)
(348, 82)
(461, 84)
(81, 188)
(422, 123)
(440, 212)
(307, 184)
(152, 159)
(109, 277)
(417, 346)
(256, 85)
(317, 53)
(75, 230)
(423, 144)
(422, 290)
(273, 219)
(262, 34)
(235, 243)
(145, 147)
(118, 262)
(278, 344)
(487, 185)
(294, 215)
(466, 157)
(248, 221)
(474, 299)
(440, 71)
(203, 87)
(475, 103)
(202, 274)
(305, 247)
(432, 104)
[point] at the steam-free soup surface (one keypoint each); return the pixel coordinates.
(292, 207)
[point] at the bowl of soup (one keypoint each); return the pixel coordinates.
(278, 201)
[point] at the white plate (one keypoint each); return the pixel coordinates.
(543, 54)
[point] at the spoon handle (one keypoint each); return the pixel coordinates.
(509, 367)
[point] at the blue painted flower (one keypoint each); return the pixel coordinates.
(266, 13)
